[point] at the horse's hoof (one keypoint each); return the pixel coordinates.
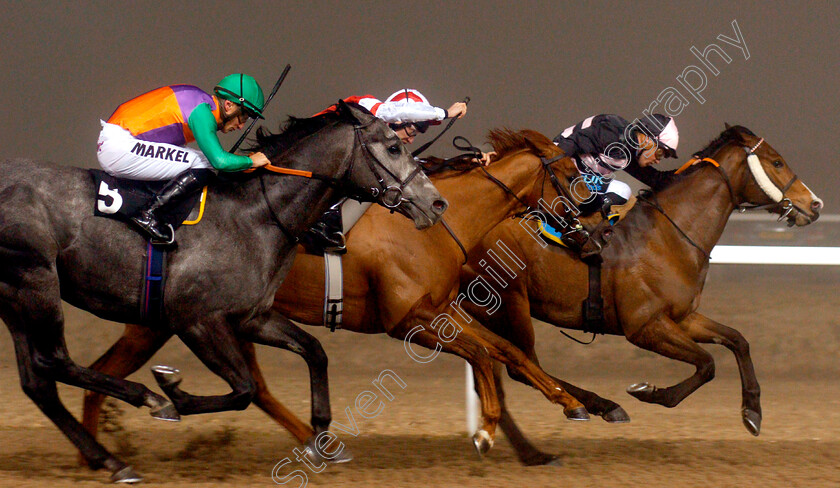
(335, 458)
(616, 416)
(166, 376)
(578, 413)
(640, 388)
(126, 475)
(642, 391)
(345, 456)
(543, 459)
(482, 442)
(166, 412)
(752, 421)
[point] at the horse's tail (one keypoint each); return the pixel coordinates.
(506, 141)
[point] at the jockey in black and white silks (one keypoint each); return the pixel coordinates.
(603, 144)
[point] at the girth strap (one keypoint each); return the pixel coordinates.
(334, 291)
(593, 306)
(151, 303)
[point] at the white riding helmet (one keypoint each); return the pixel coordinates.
(665, 130)
(410, 95)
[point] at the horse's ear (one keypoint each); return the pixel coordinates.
(344, 111)
(354, 112)
(727, 126)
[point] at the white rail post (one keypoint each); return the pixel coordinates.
(472, 403)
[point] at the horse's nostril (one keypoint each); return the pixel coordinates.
(439, 205)
(816, 205)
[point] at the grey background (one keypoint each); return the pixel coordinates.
(542, 65)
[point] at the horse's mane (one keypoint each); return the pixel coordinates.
(730, 134)
(295, 129)
(292, 131)
(733, 133)
(506, 141)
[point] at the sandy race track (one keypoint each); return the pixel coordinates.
(790, 316)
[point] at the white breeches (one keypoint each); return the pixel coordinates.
(120, 154)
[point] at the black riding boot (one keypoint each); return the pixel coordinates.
(326, 234)
(174, 191)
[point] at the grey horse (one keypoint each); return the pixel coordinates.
(221, 278)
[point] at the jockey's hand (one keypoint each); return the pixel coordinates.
(486, 158)
(258, 159)
(457, 110)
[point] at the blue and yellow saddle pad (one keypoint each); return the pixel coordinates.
(120, 199)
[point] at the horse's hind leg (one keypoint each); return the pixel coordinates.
(133, 349)
(44, 394)
(705, 330)
(661, 335)
(513, 322)
(502, 350)
(52, 360)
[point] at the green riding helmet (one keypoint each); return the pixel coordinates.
(242, 90)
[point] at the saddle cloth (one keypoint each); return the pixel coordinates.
(552, 236)
(121, 199)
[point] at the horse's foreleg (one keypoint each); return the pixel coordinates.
(527, 453)
(273, 329)
(136, 346)
(705, 330)
(266, 401)
(502, 350)
(662, 336)
(474, 353)
(214, 343)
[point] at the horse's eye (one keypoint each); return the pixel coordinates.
(778, 164)
(394, 149)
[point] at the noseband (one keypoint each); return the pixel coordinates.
(767, 186)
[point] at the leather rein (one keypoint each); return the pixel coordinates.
(389, 196)
(476, 153)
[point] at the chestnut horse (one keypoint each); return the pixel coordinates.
(654, 269)
(398, 281)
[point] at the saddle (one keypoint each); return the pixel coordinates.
(121, 199)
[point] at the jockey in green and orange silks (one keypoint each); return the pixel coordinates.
(146, 138)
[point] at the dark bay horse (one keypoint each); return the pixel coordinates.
(221, 278)
(654, 269)
(397, 279)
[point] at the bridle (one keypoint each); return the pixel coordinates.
(780, 201)
(389, 196)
